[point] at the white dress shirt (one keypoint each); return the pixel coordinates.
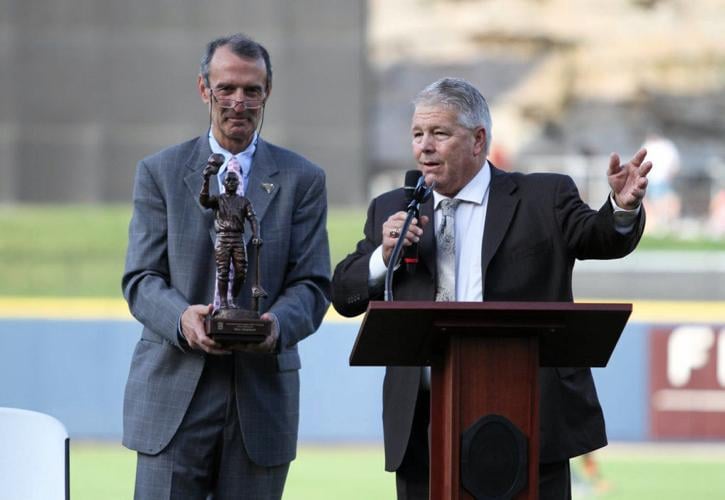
(469, 221)
(244, 158)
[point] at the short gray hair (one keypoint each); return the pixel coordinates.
(241, 45)
(462, 96)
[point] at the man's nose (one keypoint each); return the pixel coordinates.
(239, 105)
(427, 143)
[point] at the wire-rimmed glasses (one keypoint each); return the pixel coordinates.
(229, 103)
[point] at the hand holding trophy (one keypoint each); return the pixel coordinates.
(230, 325)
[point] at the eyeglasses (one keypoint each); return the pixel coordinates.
(227, 103)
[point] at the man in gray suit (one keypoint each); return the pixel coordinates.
(207, 422)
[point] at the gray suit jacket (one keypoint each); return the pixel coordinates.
(170, 265)
(536, 226)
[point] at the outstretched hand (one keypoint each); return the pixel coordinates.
(628, 181)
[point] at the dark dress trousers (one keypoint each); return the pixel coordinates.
(536, 226)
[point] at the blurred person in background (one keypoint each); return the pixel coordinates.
(593, 474)
(207, 422)
(662, 203)
(716, 219)
(516, 238)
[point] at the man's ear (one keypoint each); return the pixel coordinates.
(480, 139)
(203, 90)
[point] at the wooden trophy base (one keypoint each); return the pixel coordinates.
(230, 327)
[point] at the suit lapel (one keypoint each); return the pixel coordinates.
(193, 180)
(502, 203)
(263, 183)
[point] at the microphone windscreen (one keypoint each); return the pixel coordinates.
(411, 181)
(411, 178)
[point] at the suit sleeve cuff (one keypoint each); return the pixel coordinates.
(183, 344)
(376, 268)
(624, 220)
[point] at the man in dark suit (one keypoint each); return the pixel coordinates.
(515, 238)
(205, 421)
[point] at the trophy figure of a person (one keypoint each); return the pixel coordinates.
(231, 211)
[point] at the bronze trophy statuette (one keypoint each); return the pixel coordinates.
(229, 324)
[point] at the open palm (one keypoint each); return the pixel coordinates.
(628, 181)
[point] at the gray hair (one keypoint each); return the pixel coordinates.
(462, 96)
(242, 46)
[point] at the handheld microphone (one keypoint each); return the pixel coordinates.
(410, 253)
(421, 194)
(411, 182)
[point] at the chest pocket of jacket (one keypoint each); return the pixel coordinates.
(537, 249)
(522, 269)
(528, 266)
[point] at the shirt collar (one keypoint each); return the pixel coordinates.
(244, 157)
(473, 192)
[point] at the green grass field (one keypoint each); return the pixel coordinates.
(106, 472)
(78, 251)
(663, 478)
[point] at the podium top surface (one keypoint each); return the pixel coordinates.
(411, 333)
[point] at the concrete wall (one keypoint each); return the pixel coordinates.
(76, 370)
(89, 88)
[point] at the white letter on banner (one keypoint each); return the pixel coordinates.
(687, 349)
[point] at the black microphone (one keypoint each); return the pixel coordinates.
(411, 181)
(421, 193)
(410, 254)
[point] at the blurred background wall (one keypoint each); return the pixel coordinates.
(568, 82)
(664, 381)
(90, 87)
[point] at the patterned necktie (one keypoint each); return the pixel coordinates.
(233, 166)
(446, 256)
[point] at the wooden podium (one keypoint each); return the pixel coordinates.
(484, 359)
